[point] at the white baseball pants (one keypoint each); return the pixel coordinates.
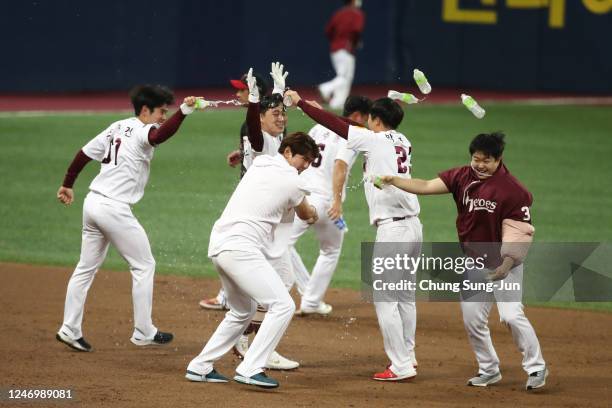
(248, 280)
(106, 221)
(397, 320)
(339, 88)
(313, 287)
(283, 268)
(475, 320)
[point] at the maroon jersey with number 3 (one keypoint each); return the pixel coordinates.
(482, 205)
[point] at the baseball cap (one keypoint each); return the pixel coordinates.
(242, 84)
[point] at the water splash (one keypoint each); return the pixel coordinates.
(216, 104)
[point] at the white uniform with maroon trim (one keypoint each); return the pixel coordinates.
(319, 180)
(395, 214)
(237, 243)
(125, 153)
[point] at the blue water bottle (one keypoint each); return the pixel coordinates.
(341, 224)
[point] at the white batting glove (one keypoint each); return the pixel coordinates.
(278, 77)
(252, 84)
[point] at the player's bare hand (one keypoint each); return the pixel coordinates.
(381, 181)
(295, 97)
(190, 100)
(234, 158)
(314, 103)
(335, 211)
(502, 271)
(65, 195)
(314, 216)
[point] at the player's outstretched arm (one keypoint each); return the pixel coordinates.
(338, 179)
(170, 127)
(252, 118)
(415, 186)
(65, 193)
(327, 119)
(307, 212)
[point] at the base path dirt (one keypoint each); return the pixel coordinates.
(338, 354)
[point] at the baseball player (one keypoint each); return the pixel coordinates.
(233, 159)
(268, 193)
(393, 213)
(343, 32)
(493, 207)
(266, 121)
(125, 150)
(318, 178)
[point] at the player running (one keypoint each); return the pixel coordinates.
(394, 213)
(125, 150)
(505, 219)
(318, 178)
(267, 195)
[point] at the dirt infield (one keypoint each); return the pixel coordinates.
(338, 353)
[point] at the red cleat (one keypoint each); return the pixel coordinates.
(389, 375)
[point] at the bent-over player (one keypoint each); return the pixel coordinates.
(318, 179)
(268, 193)
(125, 150)
(393, 212)
(505, 218)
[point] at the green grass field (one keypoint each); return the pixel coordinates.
(561, 153)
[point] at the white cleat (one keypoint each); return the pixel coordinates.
(241, 346)
(278, 362)
(536, 380)
(323, 309)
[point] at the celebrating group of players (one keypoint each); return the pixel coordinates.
(251, 244)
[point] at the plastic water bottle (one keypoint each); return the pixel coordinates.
(341, 224)
(473, 106)
(404, 97)
(201, 104)
(421, 81)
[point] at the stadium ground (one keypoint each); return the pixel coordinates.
(338, 354)
(560, 152)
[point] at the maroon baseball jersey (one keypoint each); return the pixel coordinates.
(344, 28)
(482, 205)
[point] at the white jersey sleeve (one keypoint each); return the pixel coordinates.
(360, 139)
(97, 148)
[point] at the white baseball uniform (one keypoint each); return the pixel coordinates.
(476, 318)
(277, 253)
(395, 214)
(319, 180)
(125, 153)
(237, 243)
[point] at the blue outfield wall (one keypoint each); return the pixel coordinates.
(542, 45)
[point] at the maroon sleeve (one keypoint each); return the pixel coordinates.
(167, 129)
(450, 178)
(254, 127)
(350, 122)
(329, 120)
(518, 206)
(79, 161)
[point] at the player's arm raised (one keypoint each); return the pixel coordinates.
(327, 119)
(173, 123)
(253, 122)
(415, 186)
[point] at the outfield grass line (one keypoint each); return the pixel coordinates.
(59, 113)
